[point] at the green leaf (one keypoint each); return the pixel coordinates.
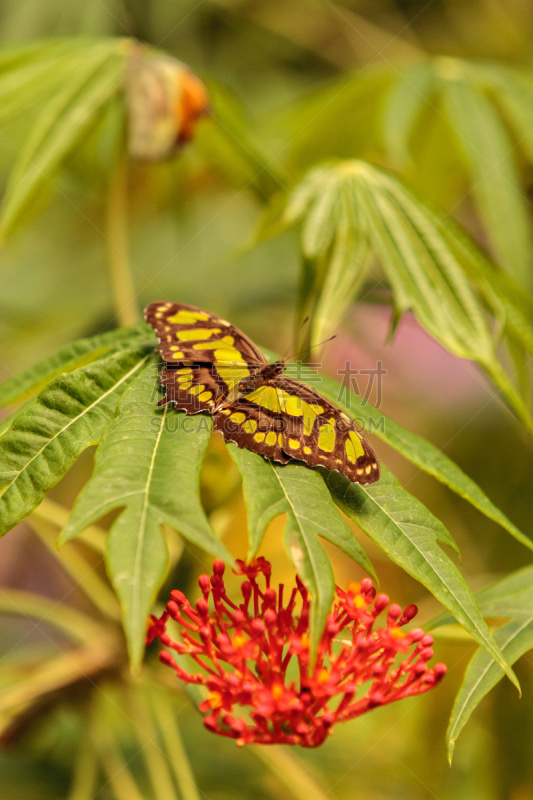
(49, 434)
(342, 265)
(30, 381)
(271, 489)
(510, 597)
(227, 143)
(409, 534)
(404, 104)
(495, 598)
(496, 187)
(482, 674)
(514, 93)
(498, 599)
(315, 128)
(418, 450)
(148, 464)
(69, 114)
(34, 74)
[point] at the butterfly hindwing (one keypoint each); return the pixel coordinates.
(285, 419)
(251, 426)
(192, 388)
(331, 440)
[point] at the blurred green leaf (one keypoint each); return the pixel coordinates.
(226, 142)
(31, 74)
(490, 159)
(419, 451)
(271, 489)
(45, 439)
(409, 534)
(511, 597)
(405, 102)
(148, 464)
(513, 91)
(340, 119)
(385, 111)
(30, 381)
(92, 80)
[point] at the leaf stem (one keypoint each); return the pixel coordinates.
(53, 512)
(74, 624)
(156, 759)
(119, 776)
(178, 757)
(82, 572)
(122, 286)
(290, 771)
(85, 771)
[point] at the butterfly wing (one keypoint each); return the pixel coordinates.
(192, 388)
(253, 427)
(307, 426)
(189, 335)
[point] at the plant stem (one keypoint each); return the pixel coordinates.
(156, 760)
(123, 289)
(176, 751)
(290, 771)
(119, 776)
(74, 624)
(58, 515)
(83, 573)
(85, 771)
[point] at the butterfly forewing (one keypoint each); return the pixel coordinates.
(187, 333)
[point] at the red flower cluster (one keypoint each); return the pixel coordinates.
(255, 656)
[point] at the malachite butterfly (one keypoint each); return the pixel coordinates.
(211, 366)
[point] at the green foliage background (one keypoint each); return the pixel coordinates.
(345, 143)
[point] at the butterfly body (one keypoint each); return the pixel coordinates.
(263, 376)
(212, 366)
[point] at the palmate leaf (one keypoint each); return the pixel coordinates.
(30, 381)
(148, 465)
(464, 93)
(393, 519)
(94, 76)
(271, 489)
(484, 115)
(510, 598)
(48, 435)
(422, 257)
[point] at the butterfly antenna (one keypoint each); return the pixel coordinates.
(306, 320)
(312, 348)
